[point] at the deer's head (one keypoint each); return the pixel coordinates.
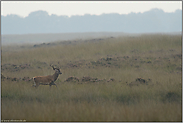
(57, 70)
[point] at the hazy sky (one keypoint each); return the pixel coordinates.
(69, 8)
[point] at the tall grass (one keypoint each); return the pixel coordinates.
(157, 57)
(90, 102)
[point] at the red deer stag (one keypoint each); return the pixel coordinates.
(47, 80)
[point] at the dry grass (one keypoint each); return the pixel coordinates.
(157, 57)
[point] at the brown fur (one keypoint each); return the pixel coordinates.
(47, 80)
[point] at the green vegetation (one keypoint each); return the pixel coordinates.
(114, 64)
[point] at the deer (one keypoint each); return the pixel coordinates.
(47, 80)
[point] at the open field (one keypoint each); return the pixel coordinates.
(120, 79)
(52, 37)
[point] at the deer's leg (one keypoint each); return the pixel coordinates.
(50, 84)
(54, 84)
(35, 85)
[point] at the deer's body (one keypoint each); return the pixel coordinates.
(47, 80)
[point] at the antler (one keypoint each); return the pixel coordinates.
(52, 66)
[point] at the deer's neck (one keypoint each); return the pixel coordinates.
(55, 76)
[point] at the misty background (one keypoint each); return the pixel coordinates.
(39, 26)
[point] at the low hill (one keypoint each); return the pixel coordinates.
(49, 37)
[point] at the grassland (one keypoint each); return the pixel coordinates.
(124, 59)
(52, 37)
